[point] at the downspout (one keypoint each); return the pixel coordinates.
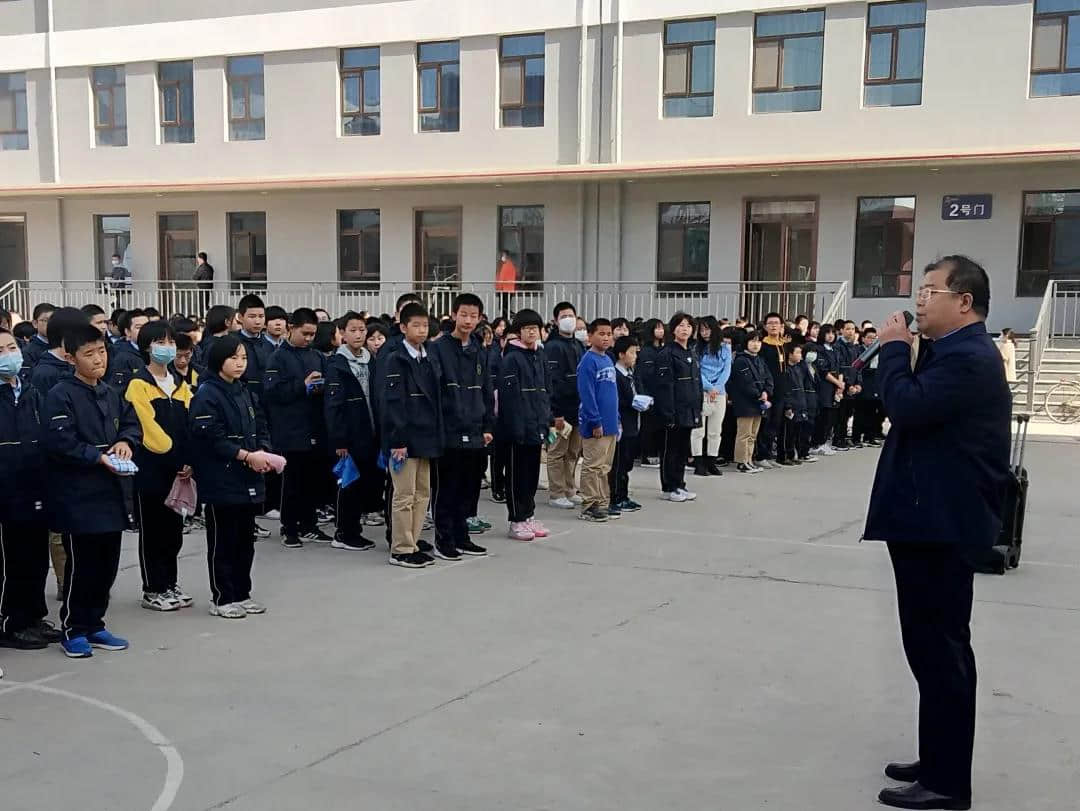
(581, 87)
(618, 85)
(53, 117)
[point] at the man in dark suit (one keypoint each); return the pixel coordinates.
(937, 502)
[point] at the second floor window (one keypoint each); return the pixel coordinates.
(521, 80)
(247, 99)
(361, 92)
(176, 87)
(14, 133)
(110, 106)
(438, 74)
(689, 58)
(894, 54)
(788, 49)
(1055, 48)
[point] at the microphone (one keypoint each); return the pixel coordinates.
(875, 347)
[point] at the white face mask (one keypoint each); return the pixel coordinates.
(566, 324)
(582, 335)
(811, 357)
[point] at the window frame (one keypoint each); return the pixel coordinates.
(855, 246)
(779, 39)
(346, 73)
(688, 47)
(251, 236)
(1063, 17)
(894, 31)
(524, 283)
(437, 65)
(19, 218)
(99, 235)
(684, 285)
(96, 88)
(419, 253)
(520, 60)
(174, 85)
(26, 109)
(1043, 218)
(358, 234)
(245, 80)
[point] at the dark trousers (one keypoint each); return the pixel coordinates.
(363, 496)
(230, 551)
(651, 437)
(24, 568)
(522, 479)
(302, 490)
(675, 452)
(934, 585)
(455, 489)
(844, 412)
(823, 426)
(728, 434)
(272, 482)
(869, 416)
(803, 434)
(161, 536)
(787, 440)
(92, 563)
(772, 431)
(626, 451)
(500, 459)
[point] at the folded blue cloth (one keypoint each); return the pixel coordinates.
(346, 471)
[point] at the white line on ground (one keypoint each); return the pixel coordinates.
(22, 685)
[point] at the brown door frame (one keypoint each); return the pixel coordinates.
(163, 236)
(786, 222)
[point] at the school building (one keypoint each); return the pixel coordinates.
(638, 154)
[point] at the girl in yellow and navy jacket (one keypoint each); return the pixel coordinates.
(161, 399)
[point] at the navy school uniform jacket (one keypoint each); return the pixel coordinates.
(677, 387)
(645, 371)
(81, 423)
(467, 396)
(296, 418)
(351, 418)
(562, 356)
(23, 474)
(411, 409)
(524, 405)
(798, 390)
(629, 417)
(165, 431)
(33, 351)
(869, 381)
(944, 471)
(749, 378)
(49, 371)
(810, 382)
(224, 420)
(828, 362)
(258, 355)
(847, 354)
(125, 363)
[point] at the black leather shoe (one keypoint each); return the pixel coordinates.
(917, 797)
(904, 772)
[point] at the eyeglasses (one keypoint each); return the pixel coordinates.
(926, 293)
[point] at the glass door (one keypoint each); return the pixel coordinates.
(179, 244)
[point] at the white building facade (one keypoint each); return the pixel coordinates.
(667, 145)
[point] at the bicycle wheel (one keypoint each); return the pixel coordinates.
(1063, 402)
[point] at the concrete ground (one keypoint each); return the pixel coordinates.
(739, 652)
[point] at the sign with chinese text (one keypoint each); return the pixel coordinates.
(967, 206)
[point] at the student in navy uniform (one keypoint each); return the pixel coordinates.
(412, 434)
(626, 449)
(750, 388)
(126, 359)
(161, 400)
(277, 326)
(771, 437)
(293, 398)
(38, 344)
(653, 335)
(86, 422)
(182, 364)
(847, 349)
(54, 364)
(808, 376)
(677, 389)
(468, 416)
(24, 531)
(351, 430)
(524, 422)
(796, 411)
(829, 382)
(219, 322)
(252, 315)
(869, 414)
(563, 352)
(229, 441)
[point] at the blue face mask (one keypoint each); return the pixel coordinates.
(10, 364)
(163, 353)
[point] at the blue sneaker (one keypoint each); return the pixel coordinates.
(77, 648)
(106, 641)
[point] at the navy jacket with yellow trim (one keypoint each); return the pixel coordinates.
(164, 423)
(22, 458)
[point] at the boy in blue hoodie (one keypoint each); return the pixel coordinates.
(598, 421)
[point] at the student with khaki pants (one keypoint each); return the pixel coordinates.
(562, 353)
(599, 411)
(746, 438)
(412, 494)
(598, 453)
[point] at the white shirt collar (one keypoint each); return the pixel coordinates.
(416, 354)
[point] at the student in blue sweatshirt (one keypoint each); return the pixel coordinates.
(715, 358)
(598, 421)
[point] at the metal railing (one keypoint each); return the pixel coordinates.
(818, 300)
(1038, 341)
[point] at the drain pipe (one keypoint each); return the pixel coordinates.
(53, 117)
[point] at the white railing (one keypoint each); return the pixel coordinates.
(1039, 339)
(819, 300)
(1064, 318)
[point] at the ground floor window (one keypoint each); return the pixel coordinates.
(247, 246)
(521, 244)
(884, 246)
(438, 246)
(12, 248)
(358, 245)
(113, 238)
(1049, 240)
(682, 262)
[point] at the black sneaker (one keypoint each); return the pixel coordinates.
(471, 549)
(424, 558)
(292, 542)
(785, 462)
(874, 443)
(26, 639)
(315, 536)
(407, 561)
(261, 532)
(425, 547)
(712, 466)
(498, 498)
(614, 511)
(594, 514)
(447, 554)
(357, 544)
(49, 632)
(629, 506)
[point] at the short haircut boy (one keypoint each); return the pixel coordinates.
(63, 320)
(43, 308)
(90, 310)
(124, 324)
(412, 310)
(79, 336)
(351, 315)
(561, 306)
(406, 298)
(623, 344)
(302, 316)
(184, 342)
(467, 300)
(276, 313)
(526, 318)
(250, 302)
(597, 323)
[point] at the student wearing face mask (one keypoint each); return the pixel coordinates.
(562, 353)
(161, 399)
(119, 278)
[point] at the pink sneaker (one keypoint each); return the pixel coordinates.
(520, 531)
(538, 529)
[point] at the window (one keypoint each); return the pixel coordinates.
(361, 92)
(438, 246)
(521, 238)
(1049, 240)
(521, 80)
(110, 106)
(113, 236)
(689, 56)
(247, 246)
(788, 49)
(683, 249)
(247, 99)
(358, 245)
(14, 133)
(439, 86)
(12, 248)
(894, 54)
(1055, 48)
(884, 246)
(177, 90)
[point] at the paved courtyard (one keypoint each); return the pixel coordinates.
(740, 652)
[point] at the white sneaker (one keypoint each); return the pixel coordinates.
(160, 602)
(272, 515)
(185, 600)
(828, 450)
(687, 494)
(252, 606)
(519, 531)
(677, 496)
(232, 611)
(577, 499)
(561, 503)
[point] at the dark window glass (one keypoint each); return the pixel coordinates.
(1049, 240)
(1055, 48)
(247, 99)
(247, 246)
(683, 246)
(358, 245)
(884, 246)
(113, 236)
(361, 92)
(177, 92)
(521, 238)
(521, 80)
(788, 51)
(110, 105)
(689, 68)
(14, 131)
(12, 246)
(438, 247)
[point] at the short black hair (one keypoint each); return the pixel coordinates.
(869, 331)
(406, 298)
(325, 332)
(79, 336)
(563, 305)
(526, 318)
(202, 255)
(249, 302)
(753, 335)
(154, 331)
(322, 310)
(597, 323)
(62, 321)
(182, 325)
(376, 327)
(24, 330)
(218, 318)
(129, 315)
(90, 310)
(623, 344)
(275, 313)
(151, 312)
(302, 316)
(966, 276)
(619, 322)
(221, 350)
(791, 346)
(351, 315)
(183, 342)
(43, 308)
(5, 318)
(467, 300)
(849, 321)
(411, 310)
(826, 329)
(114, 316)
(775, 315)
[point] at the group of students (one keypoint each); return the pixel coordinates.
(363, 422)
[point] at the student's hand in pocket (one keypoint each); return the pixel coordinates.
(121, 450)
